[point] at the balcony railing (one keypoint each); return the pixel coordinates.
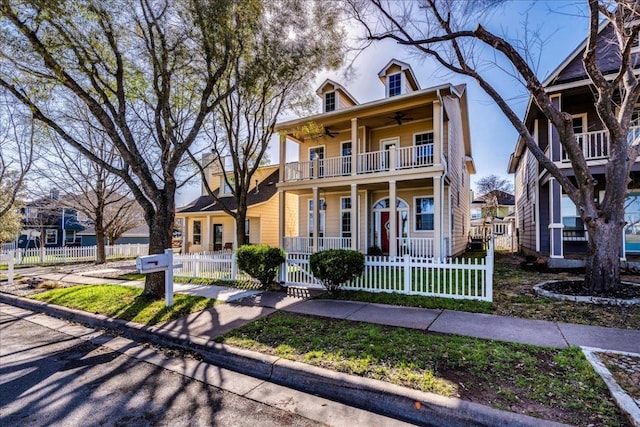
(595, 145)
(369, 162)
(419, 247)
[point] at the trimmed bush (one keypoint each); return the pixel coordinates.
(374, 251)
(335, 267)
(260, 262)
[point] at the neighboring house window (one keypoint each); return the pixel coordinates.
(476, 213)
(424, 148)
(311, 221)
(394, 83)
(329, 102)
(345, 216)
(32, 212)
(197, 232)
(247, 229)
(424, 213)
(71, 237)
(226, 185)
(51, 236)
(573, 224)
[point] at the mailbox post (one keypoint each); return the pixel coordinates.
(156, 263)
(9, 258)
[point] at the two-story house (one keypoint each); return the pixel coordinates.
(47, 223)
(492, 213)
(207, 227)
(389, 176)
(548, 223)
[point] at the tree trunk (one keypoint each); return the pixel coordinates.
(160, 234)
(602, 273)
(240, 227)
(101, 257)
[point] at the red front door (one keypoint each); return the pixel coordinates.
(384, 220)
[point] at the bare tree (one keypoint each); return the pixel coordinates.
(490, 190)
(284, 59)
(443, 30)
(16, 155)
(146, 71)
(90, 188)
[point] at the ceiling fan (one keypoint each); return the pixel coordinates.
(329, 133)
(400, 117)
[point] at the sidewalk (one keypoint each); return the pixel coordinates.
(196, 331)
(488, 326)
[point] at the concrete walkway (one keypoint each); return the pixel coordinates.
(247, 305)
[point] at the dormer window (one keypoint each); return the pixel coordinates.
(394, 84)
(329, 101)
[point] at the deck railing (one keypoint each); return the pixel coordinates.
(595, 145)
(304, 245)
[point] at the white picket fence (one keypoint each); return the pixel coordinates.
(451, 278)
(65, 255)
(220, 265)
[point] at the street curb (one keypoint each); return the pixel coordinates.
(398, 402)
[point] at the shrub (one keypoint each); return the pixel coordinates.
(336, 266)
(260, 262)
(374, 251)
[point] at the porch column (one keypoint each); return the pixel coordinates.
(208, 242)
(555, 220)
(235, 235)
(283, 156)
(437, 216)
(355, 147)
(437, 131)
(183, 229)
(393, 219)
(281, 218)
(355, 214)
(316, 218)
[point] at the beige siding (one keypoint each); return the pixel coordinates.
(457, 192)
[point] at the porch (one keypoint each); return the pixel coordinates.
(419, 247)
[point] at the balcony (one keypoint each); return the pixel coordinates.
(595, 145)
(404, 158)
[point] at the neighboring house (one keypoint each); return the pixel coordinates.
(206, 227)
(388, 176)
(137, 235)
(493, 211)
(48, 224)
(547, 221)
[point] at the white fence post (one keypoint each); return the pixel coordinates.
(168, 279)
(234, 267)
(489, 270)
(407, 273)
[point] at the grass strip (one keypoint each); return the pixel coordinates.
(124, 302)
(557, 384)
(395, 298)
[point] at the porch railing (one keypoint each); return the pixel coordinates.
(416, 246)
(304, 245)
(595, 145)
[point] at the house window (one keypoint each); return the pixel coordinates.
(345, 216)
(197, 232)
(579, 123)
(424, 148)
(50, 236)
(476, 213)
(573, 224)
(227, 185)
(311, 221)
(316, 153)
(329, 102)
(247, 229)
(394, 83)
(424, 213)
(70, 237)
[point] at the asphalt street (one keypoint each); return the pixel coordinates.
(51, 378)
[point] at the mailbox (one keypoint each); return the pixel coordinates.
(152, 263)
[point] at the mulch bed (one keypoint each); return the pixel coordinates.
(575, 288)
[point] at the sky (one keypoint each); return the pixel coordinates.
(557, 24)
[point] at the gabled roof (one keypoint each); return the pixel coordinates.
(266, 190)
(336, 86)
(404, 67)
(504, 198)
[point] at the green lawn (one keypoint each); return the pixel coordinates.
(524, 379)
(123, 302)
